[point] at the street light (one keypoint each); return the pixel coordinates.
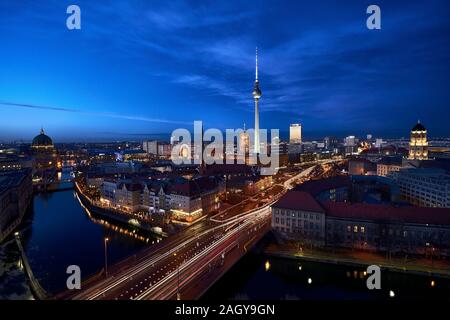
(106, 255)
(178, 283)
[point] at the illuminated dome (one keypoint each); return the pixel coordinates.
(42, 140)
(418, 127)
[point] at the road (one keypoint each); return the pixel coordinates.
(173, 268)
(186, 258)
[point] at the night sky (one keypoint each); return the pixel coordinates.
(138, 68)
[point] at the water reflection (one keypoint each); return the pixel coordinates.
(293, 279)
(57, 233)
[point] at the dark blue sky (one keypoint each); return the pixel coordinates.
(142, 67)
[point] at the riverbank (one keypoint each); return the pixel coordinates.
(114, 215)
(56, 233)
(413, 265)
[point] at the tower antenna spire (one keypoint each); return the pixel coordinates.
(256, 69)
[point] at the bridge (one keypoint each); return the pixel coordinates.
(186, 265)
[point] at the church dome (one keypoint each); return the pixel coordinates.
(42, 140)
(418, 127)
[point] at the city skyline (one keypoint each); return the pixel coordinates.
(224, 157)
(321, 67)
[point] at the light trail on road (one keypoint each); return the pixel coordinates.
(156, 274)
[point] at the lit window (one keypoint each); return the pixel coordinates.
(355, 229)
(363, 229)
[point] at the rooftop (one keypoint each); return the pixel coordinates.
(387, 213)
(303, 198)
(195, 187)
(315, 187)
(397, 161)
(298, 200)
(418, 127)
(11, 179)
(234, 168)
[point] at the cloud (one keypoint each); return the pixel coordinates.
(213, 87)
(321, 65)
(30, 106)
(96, 114)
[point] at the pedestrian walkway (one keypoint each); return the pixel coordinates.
(413, 265)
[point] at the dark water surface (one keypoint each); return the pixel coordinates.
(57, 233)
(260, 277)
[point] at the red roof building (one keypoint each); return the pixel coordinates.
(299, 200)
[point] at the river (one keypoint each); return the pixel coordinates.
(56, 233)
(260, 277)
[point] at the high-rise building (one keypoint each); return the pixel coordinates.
(244, 142)
(157, 148)
(164, 149)
(256, 95)
(350, 141)
(350, 144)
(295, 133)
(378, 143)
(330, 143)
(418, 145)
(151, 147)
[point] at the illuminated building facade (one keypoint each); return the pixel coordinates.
(295, 133)
(244, 145)
(418, 145)
(186, 200)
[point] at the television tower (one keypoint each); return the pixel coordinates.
(256, 95)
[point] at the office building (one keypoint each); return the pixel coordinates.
(295, 133)
(151, 147)
(330, 143)
(350, 144)
(157, 148)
